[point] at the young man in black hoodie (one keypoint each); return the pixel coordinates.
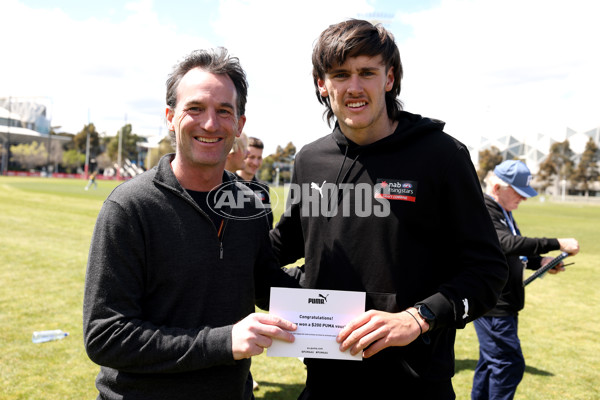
(390, 205)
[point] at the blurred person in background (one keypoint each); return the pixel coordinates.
(237, 155)
(248, 173)
(92, 181)
(501, 364)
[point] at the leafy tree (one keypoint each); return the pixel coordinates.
(56, 148)
(80, 140)
(154, 155)
(488, 159)
(285, 175)
(557, 165)
(72, 160)
(587, 171)
(128, 146)
(287, 153)
(29, 155)
(103, 161)
(265, 173)
(56, 153)
(282, 159)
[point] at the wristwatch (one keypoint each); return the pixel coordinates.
(426, 314)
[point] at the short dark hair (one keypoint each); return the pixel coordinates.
(255, 142)
(354, 38)
(216, 61)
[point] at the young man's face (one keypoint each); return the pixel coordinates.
(356, 91)
(253, 160)
(205, 119)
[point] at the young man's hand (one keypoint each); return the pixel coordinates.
(378, 330)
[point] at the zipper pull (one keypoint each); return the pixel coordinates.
(220, 236)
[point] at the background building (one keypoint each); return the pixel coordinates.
(24, 120)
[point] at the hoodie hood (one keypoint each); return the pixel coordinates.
(409, 125)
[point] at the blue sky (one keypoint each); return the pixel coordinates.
(487, 68)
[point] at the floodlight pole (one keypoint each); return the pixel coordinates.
(49, 148)
(120, 149)
(48, 160)
(119, 154)
(87, 155)
(6, 157)
(87, 149)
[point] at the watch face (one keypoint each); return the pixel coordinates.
(426, 312)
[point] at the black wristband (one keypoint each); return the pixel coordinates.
(416, 320)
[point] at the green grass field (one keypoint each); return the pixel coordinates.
(45, 231)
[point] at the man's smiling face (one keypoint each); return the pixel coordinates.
(205, 118)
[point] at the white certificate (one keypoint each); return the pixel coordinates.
(320, 315)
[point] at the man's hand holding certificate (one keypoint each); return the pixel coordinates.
(320, 315)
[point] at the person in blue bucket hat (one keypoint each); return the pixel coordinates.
(501, 364)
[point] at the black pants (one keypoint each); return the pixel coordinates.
(332, 379)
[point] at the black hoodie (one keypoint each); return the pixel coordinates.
(430, 240)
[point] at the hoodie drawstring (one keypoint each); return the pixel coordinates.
(337, 178)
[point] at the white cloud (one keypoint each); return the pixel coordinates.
(274, 40)
(111, 70)
(485, 67)
(504, 67)
(116, 69)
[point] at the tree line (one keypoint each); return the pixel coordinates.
(69, 156)
(560, 165)
(281, 161)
